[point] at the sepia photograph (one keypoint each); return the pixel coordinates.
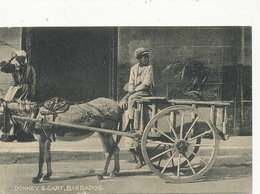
(126, 107)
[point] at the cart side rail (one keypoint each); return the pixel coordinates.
(215, 111)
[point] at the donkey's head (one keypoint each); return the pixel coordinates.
(18, 108)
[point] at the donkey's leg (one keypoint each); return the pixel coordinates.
(116, 170)
(48, 159)
(109, 147)
(104, 172)
(41, 141)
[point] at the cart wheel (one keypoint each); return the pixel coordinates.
(185, 147)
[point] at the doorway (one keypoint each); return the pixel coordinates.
(74, 63)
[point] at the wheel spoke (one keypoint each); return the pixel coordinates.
(161, 154)
(160, 131)
(171, 158)
(206, 132)
(181, 127)
(159, 142)
(172, 129)
(193, 171)
(191, 127)
(155, 149)
(179, 164)
(198, 157)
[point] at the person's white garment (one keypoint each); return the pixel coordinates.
(143, 75)
(11, 92)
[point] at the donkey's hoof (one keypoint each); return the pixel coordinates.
(114, 174)
(35, 180)
(100, 177)
(46, 177)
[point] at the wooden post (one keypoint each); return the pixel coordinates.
(193, 116)
(219, 118)
(212, 113)
(153, 113)
(141, 116)
(137, 118)
(173, 118)
(224, 130)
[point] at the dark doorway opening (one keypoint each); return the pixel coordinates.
(77, 64)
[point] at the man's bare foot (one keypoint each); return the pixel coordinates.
(139, 165)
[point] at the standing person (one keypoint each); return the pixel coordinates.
(23, 86)
(24, 76)
(141, 84)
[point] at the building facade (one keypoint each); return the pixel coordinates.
(83, 63)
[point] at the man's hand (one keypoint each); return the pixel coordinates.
(13, 55)
(124, 102)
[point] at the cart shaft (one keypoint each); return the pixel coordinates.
(80, 127)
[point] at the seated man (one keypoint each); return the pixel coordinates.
(141, 84)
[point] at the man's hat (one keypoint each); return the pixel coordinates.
(20, 53)
(141, 51)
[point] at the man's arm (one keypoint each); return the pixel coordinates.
(131, 80)
(7, 67)
(147, 81)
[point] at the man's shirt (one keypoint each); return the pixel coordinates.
(141, 77)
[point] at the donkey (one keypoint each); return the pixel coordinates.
(100, 113)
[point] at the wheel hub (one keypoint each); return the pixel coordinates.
(182, 146)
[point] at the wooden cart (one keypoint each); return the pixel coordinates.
(180, 138)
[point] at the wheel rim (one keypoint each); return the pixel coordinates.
(185, 147)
